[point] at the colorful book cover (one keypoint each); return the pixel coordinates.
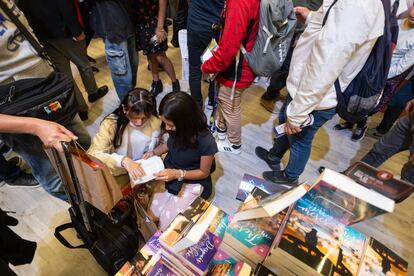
(219, 225)
(227, 269)
(380, 181)
(253, 238)
(342, 206)
(196, 209)
(380, 260)
(152, 246)
(200, 255)
(175, 231)
(312, 236)
(222, 257)
(249, 182)
(351, 251)
(160, 269)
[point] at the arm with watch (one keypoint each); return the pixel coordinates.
(178, 174)
(181, 175)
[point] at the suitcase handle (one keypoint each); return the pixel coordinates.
(62, 240)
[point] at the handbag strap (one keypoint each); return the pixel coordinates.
(32, 40)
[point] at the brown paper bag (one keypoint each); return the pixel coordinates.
(98, 185)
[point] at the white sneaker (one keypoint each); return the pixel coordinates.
(227, 147)
(221, 133)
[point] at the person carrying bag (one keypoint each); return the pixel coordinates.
(51, 98)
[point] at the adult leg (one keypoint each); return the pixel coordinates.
(281, 144)
(196, 43)
(397, 139)
(31, 149)
(229, 113)
(118, 60)
(166, 64)
(76, 52)
(78, 128)
(133, 59)
(301, 143)
(395, 107)
(62, 62)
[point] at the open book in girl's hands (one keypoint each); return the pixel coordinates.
(150, 166)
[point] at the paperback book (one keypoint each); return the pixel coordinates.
(150, 166)
(318, 238)
(380, 181)
(249, 182)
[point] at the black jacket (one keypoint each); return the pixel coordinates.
(51, 19)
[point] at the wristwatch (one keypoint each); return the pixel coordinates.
(182, 174)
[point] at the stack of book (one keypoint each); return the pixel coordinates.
(318, 238)
(302, 230)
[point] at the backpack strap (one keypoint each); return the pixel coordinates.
(327, 13)
(26, 33)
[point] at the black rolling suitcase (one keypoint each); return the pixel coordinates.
(112, 241)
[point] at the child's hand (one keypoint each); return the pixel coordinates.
(133, 168)
(167, 175)
(148, 154)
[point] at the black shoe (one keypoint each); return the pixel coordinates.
(8, 220)
(270, 95)
(359, 133)
(23, 180)
(279, 177)
(95, 69)
(83, 115)
(343, 126)
(321, 169)
(156, 88)
(176, 86)
(264, 155)
(102, 91)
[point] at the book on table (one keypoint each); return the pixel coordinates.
(150, 166)
(380, 181)
(318, 237)
(272, 204)
(183, 222)
(249, 182)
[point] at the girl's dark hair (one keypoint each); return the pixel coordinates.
(138, 100)
(189, 120)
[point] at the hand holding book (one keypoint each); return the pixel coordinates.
(133, 168)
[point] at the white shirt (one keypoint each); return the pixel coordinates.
(135, 142)
(403, 57)
(339, 49)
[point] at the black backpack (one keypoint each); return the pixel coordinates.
(362, 95)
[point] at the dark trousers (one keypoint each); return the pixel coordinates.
(64, 51)
(7, 170)
(196, 43)
(395, 107)
(399, 138)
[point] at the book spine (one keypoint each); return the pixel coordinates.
(367, 242)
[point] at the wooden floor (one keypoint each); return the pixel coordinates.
(39, 213)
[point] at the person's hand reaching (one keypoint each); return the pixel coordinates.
(52, 134)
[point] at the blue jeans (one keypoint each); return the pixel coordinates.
(299, 144)
(31, 149)
(122, 60)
